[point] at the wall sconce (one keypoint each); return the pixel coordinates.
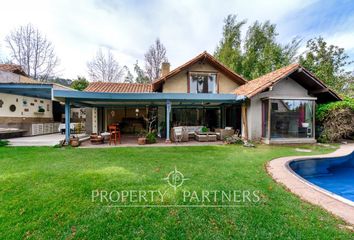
(137, 112)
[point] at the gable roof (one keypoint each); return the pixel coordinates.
(12, 68)
(118, 87)
(204, 56)
(301, 75)
(257, 85)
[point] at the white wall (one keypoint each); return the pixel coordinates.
(286, 88)
(8, 77)
(23, 109)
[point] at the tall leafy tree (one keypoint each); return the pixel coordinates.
(263, 53)
(129, 78)
(80, 83)
(141, 76)
(258, 53)
(229, 50)
(154, 57)
(329, 63)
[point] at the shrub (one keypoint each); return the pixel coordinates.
(3, 143)
(336, 119)
(151, 137)
(205, 129)
(234, 139)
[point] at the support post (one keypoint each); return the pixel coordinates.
(168, 113)
(67, 121)
(244, 121)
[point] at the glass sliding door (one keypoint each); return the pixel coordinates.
(291, 118)
(285, 118)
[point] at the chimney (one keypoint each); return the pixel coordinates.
(165, 68)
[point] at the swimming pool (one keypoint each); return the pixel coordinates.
(335, 175)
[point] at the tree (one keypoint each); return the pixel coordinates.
(129, 78)
(80, 83)
(262, 52)
(154, 57)
(141, 76)
(104, 67)
(258, 53)
(32, 51)
(328, 63)
(229, 49)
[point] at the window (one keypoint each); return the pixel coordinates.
(291, 119)
(203, 83)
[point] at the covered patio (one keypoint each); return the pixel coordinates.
(170, 109)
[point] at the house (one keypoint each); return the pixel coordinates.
(26, 105)
(275, 108)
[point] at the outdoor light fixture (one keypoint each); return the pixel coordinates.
(137, 112)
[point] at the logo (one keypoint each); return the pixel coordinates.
(175, 179)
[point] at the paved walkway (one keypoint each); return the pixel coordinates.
(42, 140)
(279, 169)
(127, 141)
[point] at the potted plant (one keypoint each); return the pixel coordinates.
(150, 133)
(74, 141)
(142, 137)
(205, 129)
(151, 137)
(41, 109)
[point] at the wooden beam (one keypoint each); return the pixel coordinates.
(188, 82)
(323, 90)
(244, 121)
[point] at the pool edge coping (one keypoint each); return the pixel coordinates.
(281, 172)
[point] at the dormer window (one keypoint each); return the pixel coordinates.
(202, 82)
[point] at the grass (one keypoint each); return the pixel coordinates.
(45, 193)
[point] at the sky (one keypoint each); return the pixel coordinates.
(78, 28)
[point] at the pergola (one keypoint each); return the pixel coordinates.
(103, 99)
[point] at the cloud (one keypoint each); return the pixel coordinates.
(78, 28)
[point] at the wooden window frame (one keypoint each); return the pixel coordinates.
(189, 74)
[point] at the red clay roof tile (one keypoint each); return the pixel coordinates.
(118, 87)
(12, 68)
(257, 85)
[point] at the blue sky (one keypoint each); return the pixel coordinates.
(186, 27)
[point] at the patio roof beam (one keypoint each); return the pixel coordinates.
(28, 90)
(146, 97)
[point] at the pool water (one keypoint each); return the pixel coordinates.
(332, 174)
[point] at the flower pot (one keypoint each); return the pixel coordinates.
(141, 141)
(74, 142)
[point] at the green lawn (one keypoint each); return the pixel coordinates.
(46, 193)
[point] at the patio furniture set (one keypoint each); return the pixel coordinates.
(113, 136)
(199, 133)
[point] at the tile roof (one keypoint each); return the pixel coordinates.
(12, 68)
(118, 87)
(257, 85)
(203, 56)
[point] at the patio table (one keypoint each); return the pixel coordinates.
(205, 136)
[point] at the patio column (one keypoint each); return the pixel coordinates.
(168, 113)
(244, 121)
(67, 121)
